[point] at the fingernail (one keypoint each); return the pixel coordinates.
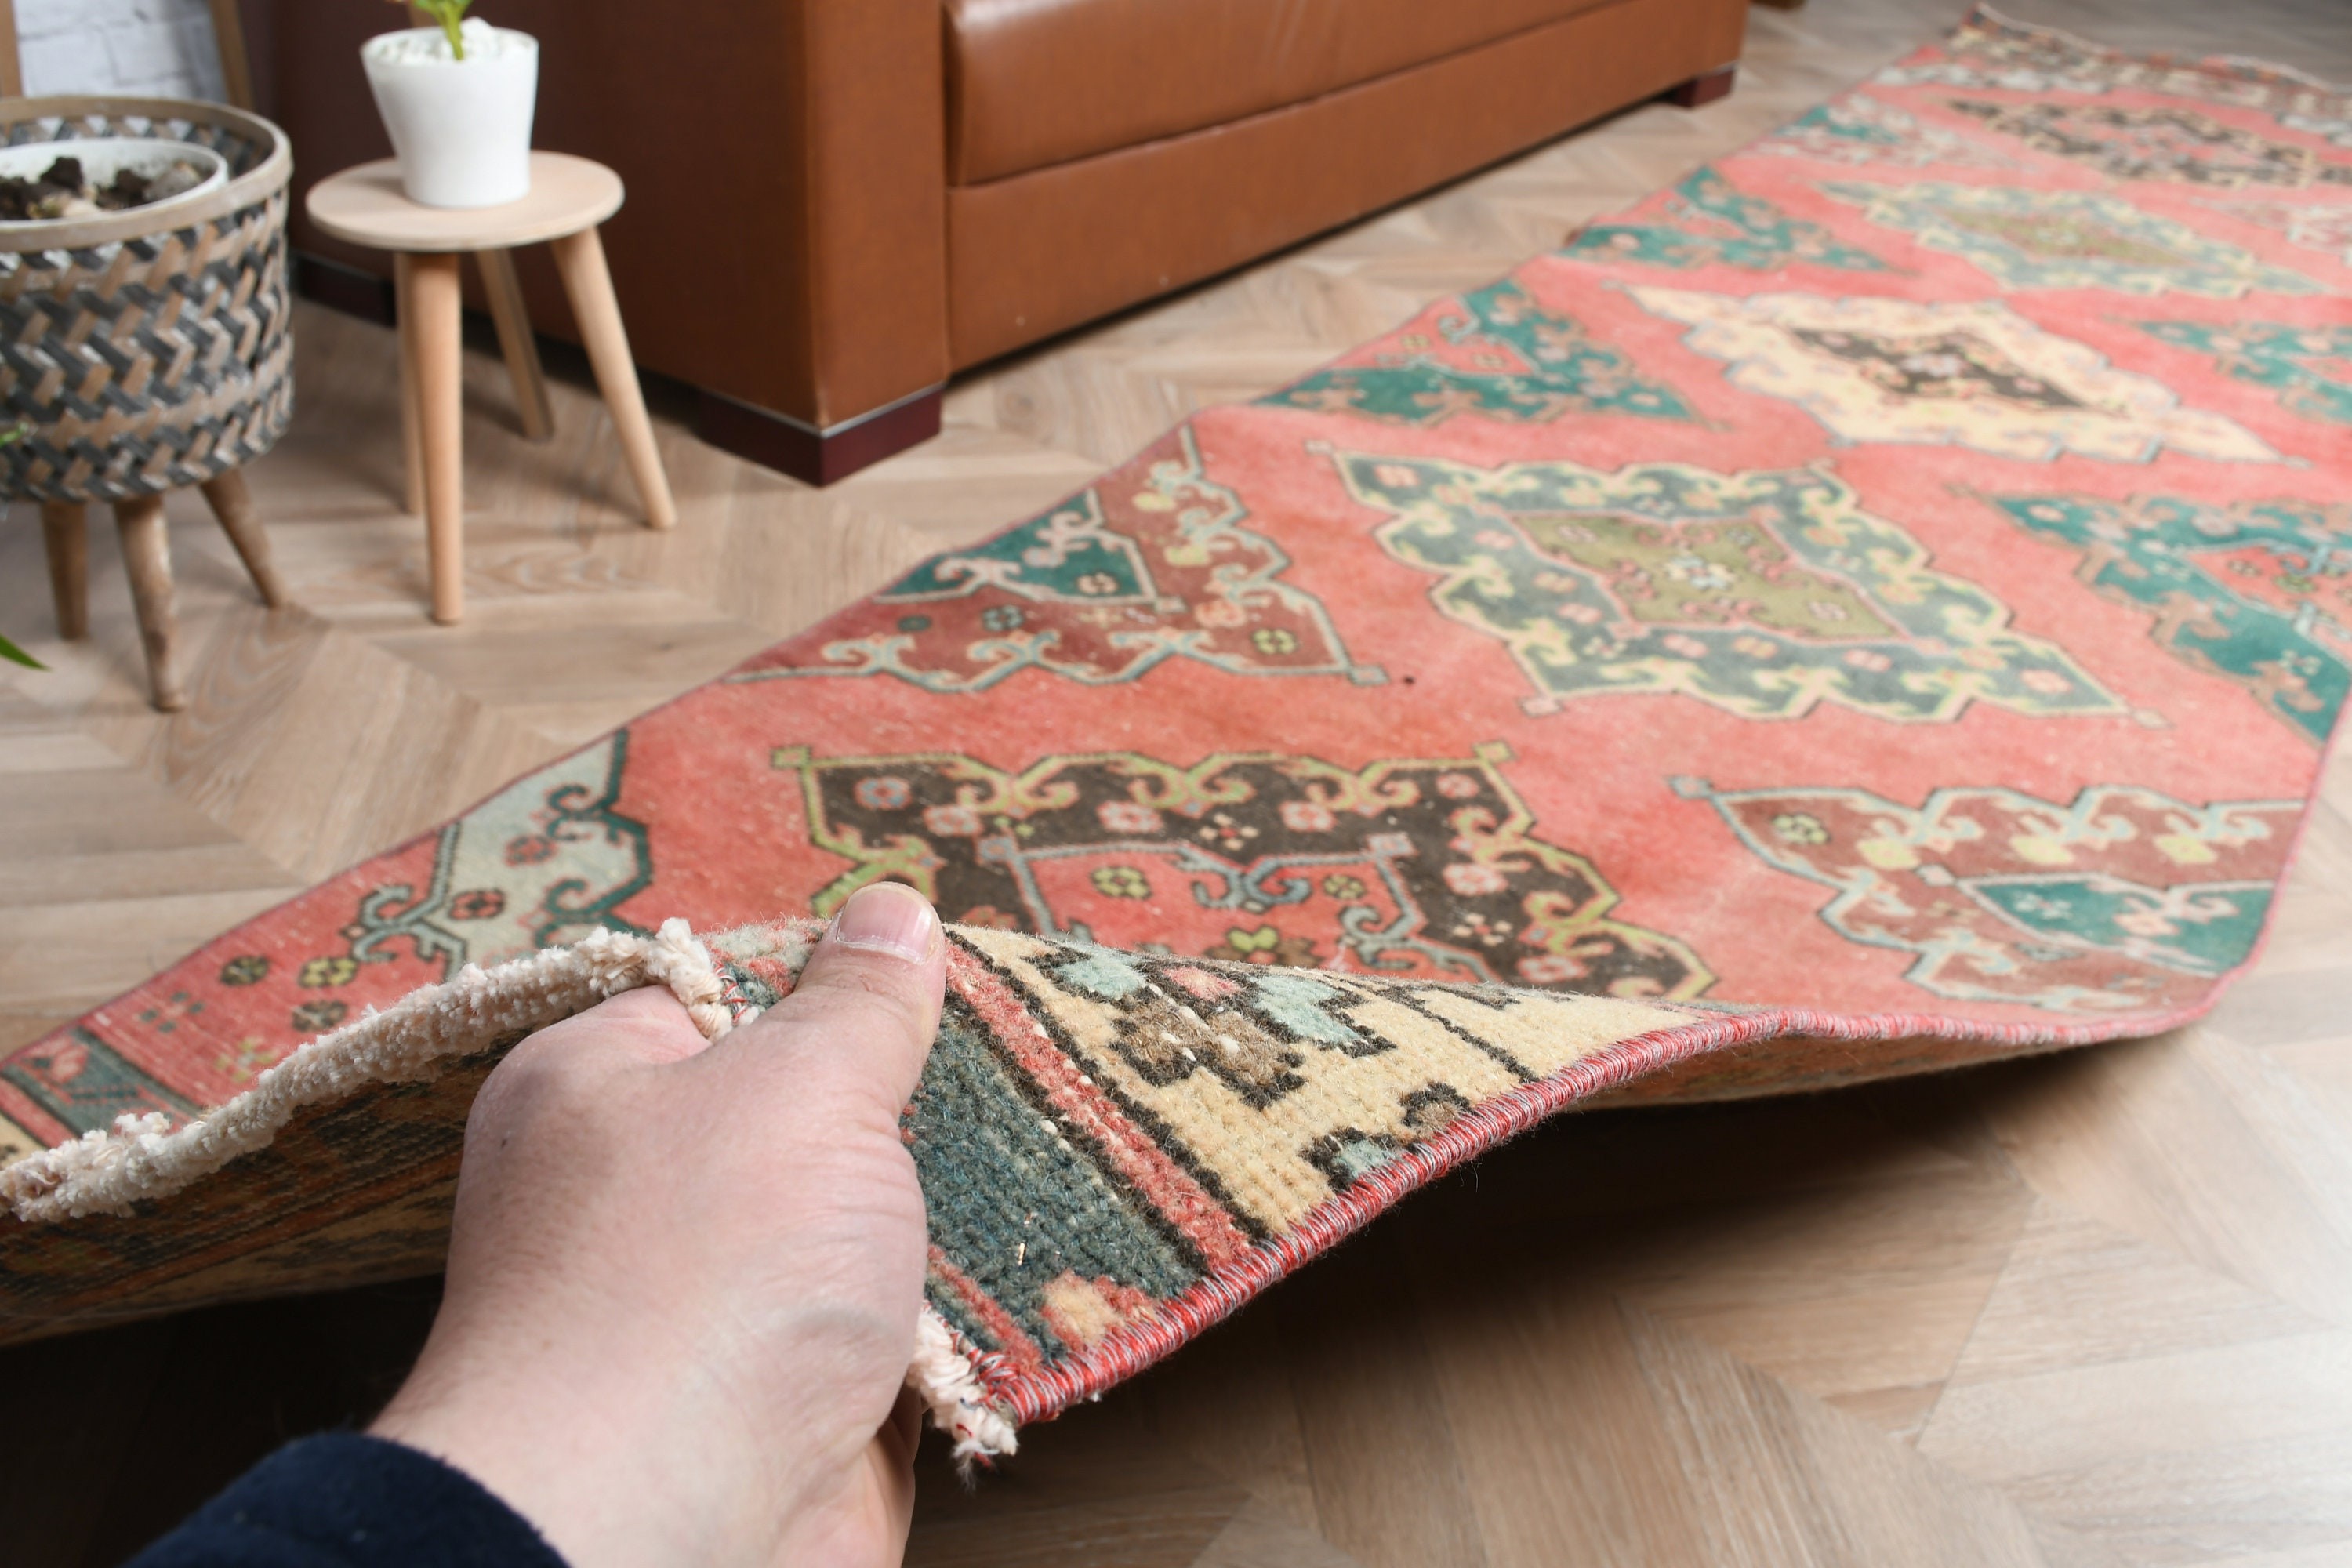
(888, 916)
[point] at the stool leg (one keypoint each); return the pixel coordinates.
(147, 556)
(232, 503)
(411, 452)
(67, 541)
(515, 341)
(434, 340)
(581, 258)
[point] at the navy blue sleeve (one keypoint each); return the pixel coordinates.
(347, 1501)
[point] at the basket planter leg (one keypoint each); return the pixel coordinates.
(66, 540)
(233, 504)
(147, 556)
(431, 331)
(521, 350)
(581, 258)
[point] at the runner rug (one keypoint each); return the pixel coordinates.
(1881, 603)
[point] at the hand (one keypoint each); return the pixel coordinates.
(684, 1277)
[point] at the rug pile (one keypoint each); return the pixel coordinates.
(1880, 604)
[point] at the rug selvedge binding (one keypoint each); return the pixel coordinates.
(1025, 1396)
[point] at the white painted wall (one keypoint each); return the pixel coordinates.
(159, 46)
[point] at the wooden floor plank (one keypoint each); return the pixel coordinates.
(1784, 1479)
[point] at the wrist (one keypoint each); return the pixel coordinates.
(655, 1450)
(610, 1467)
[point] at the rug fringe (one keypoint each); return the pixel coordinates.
(2228, 64)
(144, 1158)
(946, 1372)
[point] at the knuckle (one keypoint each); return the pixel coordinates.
(539, 1082)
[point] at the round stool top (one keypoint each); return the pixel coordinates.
(366, 206)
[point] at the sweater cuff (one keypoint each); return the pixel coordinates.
(344, 1501)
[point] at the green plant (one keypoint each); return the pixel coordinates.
(449, 14)
(9, 650)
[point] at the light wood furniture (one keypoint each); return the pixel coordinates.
(147, 562)
(228, 40)
(2086, 1311)
(12, 73)
(569, 198)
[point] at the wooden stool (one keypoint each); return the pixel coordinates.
(569, 198)
(147, 560)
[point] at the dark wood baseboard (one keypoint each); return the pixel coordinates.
(816, 456)
(343, 288)
(1702, 90)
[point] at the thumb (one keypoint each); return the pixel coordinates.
(869, 1003)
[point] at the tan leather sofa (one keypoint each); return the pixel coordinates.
(835, 205)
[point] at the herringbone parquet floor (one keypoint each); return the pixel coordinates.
(2089, 1310)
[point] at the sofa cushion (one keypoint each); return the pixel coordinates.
(1037, 83)
(1041, 252)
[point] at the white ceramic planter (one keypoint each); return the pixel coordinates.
(460, 128)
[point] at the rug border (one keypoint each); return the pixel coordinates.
(1029, 1395)
(2240, 68)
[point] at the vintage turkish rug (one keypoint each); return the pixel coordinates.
(1881, 604)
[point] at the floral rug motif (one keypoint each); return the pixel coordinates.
(1892, 587)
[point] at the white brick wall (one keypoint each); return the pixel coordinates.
(159, 46)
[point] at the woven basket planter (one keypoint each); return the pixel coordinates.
(143, 351)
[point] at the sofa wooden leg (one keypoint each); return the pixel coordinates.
(817, 457)
(232, 503)
(66, 538)
(1702, 90)
(147, 557)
